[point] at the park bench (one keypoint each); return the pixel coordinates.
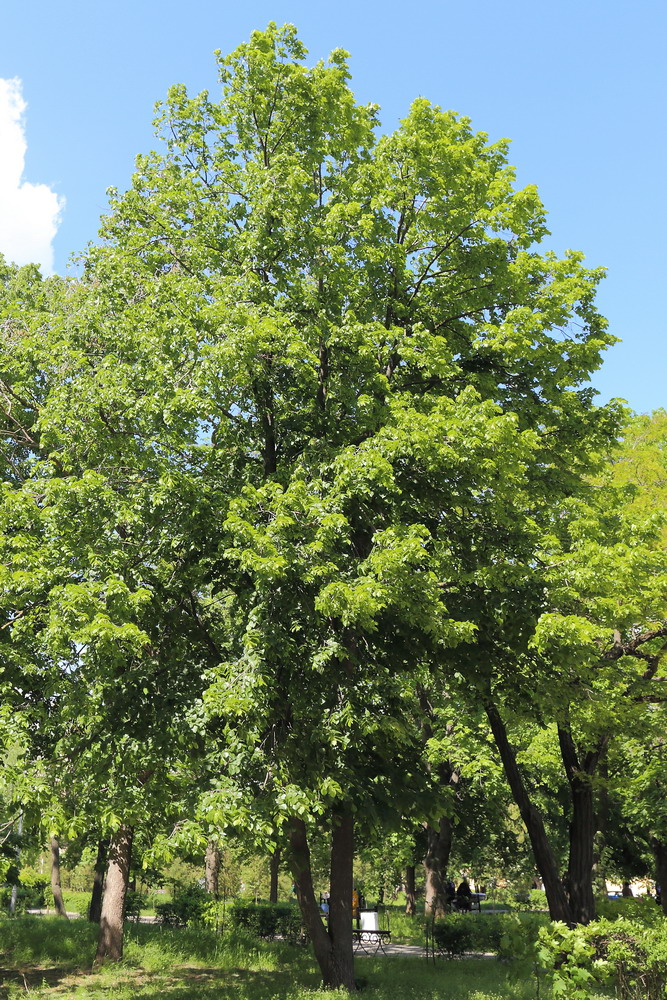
(368, 937)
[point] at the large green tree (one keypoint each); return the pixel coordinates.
(316, 390)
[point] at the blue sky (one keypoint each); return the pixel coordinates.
(580, 89)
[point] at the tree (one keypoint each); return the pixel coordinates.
(331, 379)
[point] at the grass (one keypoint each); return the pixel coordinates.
(49, 959)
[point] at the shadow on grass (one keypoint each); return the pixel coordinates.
(31, 978)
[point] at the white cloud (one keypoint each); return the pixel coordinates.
(29, 213)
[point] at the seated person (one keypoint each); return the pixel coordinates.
(464, 896)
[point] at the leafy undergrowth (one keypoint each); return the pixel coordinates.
(49, 958)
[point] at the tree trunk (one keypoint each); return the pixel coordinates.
(275, 870)
(212, 867)
(340, 902)
(545, 859)
(95, 908)
(110, 940)
(583, 826)
(334, 973)
(15, 887)
(599, 861)
(410, 891)
(439, 846)
(582, 840)
(56, 887)
(660, 854)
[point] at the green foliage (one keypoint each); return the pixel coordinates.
(639, 909)
(270, 921)
(629, 954)
(452, 936)
(188, 906)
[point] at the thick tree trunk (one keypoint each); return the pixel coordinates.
(582, 841)
(335, 959)
(274, 872)
(439, 846)
(340, 902)
(545, 859)
(56, 887)
(660, 854)
(212, 868)
(583, 826)
(95, 908)
(410, 891)
(110, 940)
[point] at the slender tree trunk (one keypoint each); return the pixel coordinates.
(110, 940)
(56, 887)
(410, 891)
(660, 854)
(599, 863)
(212, 867)
(15, 887)
(583, 825)
(545, 858)
(439, 846)
(95, 908)
(332, 947)
(274, 872)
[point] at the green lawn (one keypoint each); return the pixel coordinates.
(51, 958)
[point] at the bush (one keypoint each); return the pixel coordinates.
(134, 904)
(452, 936)
(270, 921)
(508, 935)
(641, 908)
(626, 953)
(187, 907)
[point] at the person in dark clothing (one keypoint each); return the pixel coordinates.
(464, 896)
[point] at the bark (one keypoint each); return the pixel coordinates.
(274, 872)
(212, 867)
(660, 854)
(545, 858)
(332, 946)
(95, 908)
(410, 891)
(56, 887)
(439, 846)
(15, 887)
(583, 825)
(438, 839)
(340, 901)
(110, 939)
(599, 865)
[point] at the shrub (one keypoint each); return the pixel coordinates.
(508, 935)
(641, 908)
(624, 952)
(452, 936)
(134, 903)
(187, 907)
(270, 921)
(31, 891)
